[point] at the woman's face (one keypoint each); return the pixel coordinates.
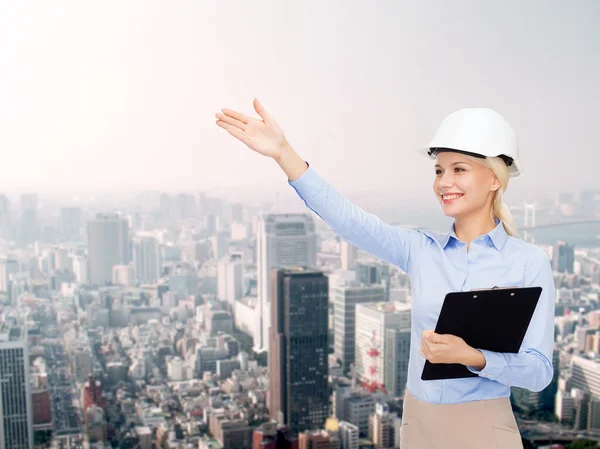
(461, 185)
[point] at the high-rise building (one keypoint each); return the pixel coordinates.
(374, 273)
(70, 222)
(585, 375)
(5, 223)
(354, 407)
(298, 368)
(81, 269)
(372, 322)
(590, 203)
(563, 257)
(230, 278)
(283, 240)
(237, 212)
(397, 353)
(219, 243)
(345, 299)
(348, 255)
(16, 415)
(29, 226)
(8, 267)
(107, 246)
(146, 259)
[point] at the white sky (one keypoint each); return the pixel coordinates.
(117, 95)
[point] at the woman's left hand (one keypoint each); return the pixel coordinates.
(446, 348)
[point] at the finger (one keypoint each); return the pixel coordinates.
(236, 115)
(259, 108)
(231, 121)
(437, 338)
(425, 346)
(235, 132)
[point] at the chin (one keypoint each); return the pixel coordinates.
(450, 212)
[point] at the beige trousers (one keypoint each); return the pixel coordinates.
(486, 424)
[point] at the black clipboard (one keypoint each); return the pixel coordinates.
(495, 319)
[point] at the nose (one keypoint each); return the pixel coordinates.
(445, 181)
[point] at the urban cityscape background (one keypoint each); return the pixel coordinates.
(161, 286)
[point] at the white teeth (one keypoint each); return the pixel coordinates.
(451, 197)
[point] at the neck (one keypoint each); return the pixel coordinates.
(470, 227)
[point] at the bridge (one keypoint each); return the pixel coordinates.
(560, 224)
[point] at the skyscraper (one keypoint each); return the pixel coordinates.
(372, 322)
(374, 273)
(298, 367)
(146, 259)
(8, 266)
(70, 222)
(29, 227)
(345, 299)
(16, 416)
(5, 225)
(107, 246)
(230, 278)
(283, 240)
(348, 255)
(563, 257)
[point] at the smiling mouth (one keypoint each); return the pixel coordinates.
(452, 197)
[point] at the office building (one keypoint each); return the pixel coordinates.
(16, 415)
(107, 246)
(298, 367)
(345, 299)
(283, 240)
(146, 259)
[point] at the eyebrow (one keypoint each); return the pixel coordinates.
(454, 163)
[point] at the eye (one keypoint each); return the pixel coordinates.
(438, 171)
(459, 169)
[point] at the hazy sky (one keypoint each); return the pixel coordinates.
(122, 95)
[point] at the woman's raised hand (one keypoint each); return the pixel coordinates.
(263, 136)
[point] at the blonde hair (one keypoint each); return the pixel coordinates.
(500, 209)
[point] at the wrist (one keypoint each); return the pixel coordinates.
(475, 359)
(285, 151)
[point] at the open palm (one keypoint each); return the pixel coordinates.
(263, 136)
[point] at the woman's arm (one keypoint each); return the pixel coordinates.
(366, 231)
(531, 368)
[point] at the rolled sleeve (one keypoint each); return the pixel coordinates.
(494, 365)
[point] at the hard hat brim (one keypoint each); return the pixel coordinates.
(514, 170)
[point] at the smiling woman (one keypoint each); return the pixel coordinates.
(476, 154)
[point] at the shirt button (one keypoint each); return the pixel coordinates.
(436, 388)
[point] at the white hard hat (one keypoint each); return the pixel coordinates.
(478, 132)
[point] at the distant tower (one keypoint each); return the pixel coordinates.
(529, 215)
(529, 223)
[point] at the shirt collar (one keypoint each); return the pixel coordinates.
(498, 235)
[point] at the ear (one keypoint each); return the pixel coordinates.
(496, 184)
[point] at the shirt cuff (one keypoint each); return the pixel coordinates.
(308, 184)
(494, 364)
